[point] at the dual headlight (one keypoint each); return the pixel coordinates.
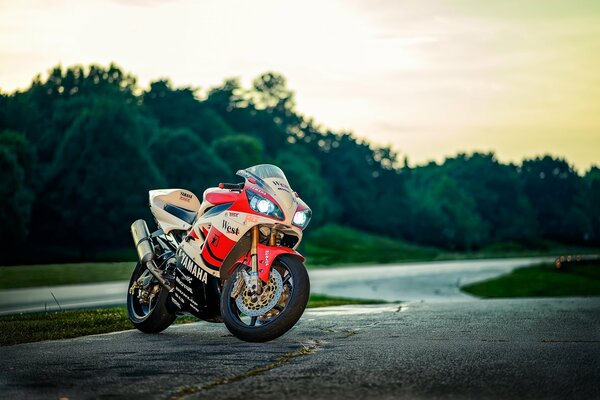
(301, 218)
(263, 206)
(268, 208)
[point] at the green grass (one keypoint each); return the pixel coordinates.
(61, 325)
(26, 328)
(333, 244)
(63, 274)
(541, 281)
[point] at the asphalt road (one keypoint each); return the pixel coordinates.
(492, 349)
(431, 281)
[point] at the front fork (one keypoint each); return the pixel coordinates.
(255, 284)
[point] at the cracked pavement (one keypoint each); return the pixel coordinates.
(534, 348)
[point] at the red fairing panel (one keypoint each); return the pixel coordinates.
(266, 256)
(221, 198)
(216, 247)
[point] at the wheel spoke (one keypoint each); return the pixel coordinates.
(253, 321)
(278, 307)
(287, 278)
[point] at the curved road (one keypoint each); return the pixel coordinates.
(430, 281)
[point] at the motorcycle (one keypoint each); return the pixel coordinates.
(229, 259)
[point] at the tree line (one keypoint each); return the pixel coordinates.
(80, 149)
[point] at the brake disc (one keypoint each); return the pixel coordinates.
(254, 305)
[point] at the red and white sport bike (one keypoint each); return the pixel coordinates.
(228, 259)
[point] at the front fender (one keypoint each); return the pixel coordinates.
(266, 256)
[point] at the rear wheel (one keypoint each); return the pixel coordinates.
(146, 302)
(275, 311)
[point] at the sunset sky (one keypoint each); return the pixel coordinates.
(430, 78)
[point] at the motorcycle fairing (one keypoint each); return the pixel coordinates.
(221, 197)
(174, 209)
(195, 290)
(266, 256)
(215, 248)
(196, 255)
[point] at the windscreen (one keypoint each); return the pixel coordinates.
(265, 171)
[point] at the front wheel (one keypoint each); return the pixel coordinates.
(146, 300)
(272, 313)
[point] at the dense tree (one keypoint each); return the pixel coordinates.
(186, 161)
(16, 196)
(80, 148)
(498, 194)
(305, 175)
(240, 151)
(446, 216)
(554, 189)
(592, 188)
(100, 178)
(180, 108)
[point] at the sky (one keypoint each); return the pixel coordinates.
(429, 78)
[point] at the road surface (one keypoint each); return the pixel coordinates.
(492, 349)
(431, 281)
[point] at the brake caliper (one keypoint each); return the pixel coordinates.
(242, 280)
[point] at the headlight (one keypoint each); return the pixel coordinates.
(263, 206)
(301, 218)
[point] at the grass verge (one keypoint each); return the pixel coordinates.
(541, 281)
(334, 244)
(63, 274)
(26, 328)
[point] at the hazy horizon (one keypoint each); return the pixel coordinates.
(431, 79)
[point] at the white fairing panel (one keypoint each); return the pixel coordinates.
(174, 209)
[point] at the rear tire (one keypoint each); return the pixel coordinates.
(293, 274)
(152, 318)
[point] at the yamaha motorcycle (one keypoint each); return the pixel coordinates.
(229, 259)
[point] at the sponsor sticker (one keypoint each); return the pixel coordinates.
(185, 296)
(281, 184)
(194, 269)
(230, 229)
(185, 196)
(183, 285)
(174, 301)
(259, 191)
(251, 218)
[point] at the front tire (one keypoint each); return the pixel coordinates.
(151, 317)
(281, 317)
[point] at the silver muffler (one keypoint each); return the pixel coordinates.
(145, 250)
(141, 238)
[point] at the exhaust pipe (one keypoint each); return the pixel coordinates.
(141, 238)
(145, 250)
